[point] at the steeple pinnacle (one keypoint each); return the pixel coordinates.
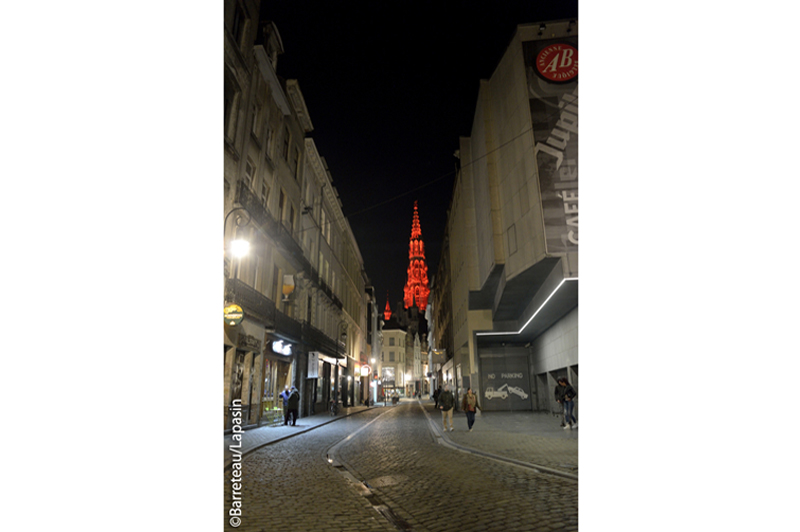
(416, 290)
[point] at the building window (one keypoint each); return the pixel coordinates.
(293, 163)
(282, 204)
(391, 341)
(249, 173)
(285, 153)
(232, 94)
(291, 219)
(391, 356)
(237, 24)
(296, 164)
(264, 193)
(269, 139)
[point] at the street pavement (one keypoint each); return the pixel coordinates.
(533, 438)
(392, 468)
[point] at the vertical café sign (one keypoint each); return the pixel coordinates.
(552, 75)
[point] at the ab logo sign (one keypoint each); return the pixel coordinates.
(558, 63)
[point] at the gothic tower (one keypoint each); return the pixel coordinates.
(387, 313)
(416, 289)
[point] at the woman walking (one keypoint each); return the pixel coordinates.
(468, 404)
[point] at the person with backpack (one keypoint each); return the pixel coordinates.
(568, 395)
(446, 404)
(468, 404)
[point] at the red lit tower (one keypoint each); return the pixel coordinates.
(416, 289)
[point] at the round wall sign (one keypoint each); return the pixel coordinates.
(558, 63)
(233, 314)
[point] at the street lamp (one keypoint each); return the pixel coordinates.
(238, 248)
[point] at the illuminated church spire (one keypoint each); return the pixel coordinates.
(387, 313)
(416, 289)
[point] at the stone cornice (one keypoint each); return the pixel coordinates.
(299, 104)
(265, 67)
(315, 162)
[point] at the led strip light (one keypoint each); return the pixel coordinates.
(507, 333)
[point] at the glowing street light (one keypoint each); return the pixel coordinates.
(240, 248)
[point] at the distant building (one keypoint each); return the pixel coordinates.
(511, 243)
(417, 289)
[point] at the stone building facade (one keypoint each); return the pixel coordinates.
(302, 286)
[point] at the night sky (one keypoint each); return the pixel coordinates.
(390, 86)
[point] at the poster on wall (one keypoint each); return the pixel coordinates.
(551, 68)
(313, 365)
(505, 383)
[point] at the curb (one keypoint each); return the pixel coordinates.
(442, 438)
(229, 462)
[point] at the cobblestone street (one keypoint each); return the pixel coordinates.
(393, 475)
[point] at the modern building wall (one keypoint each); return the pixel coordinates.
(502, 273)
(554, 354)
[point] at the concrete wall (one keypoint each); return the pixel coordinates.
(555, 353)
(557, 347)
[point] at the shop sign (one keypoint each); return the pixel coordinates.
(281, 348)
(552, 76)
(250, 343)
(313, 364)
(365, 370)
(233, 314)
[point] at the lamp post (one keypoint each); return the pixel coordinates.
(238, 247)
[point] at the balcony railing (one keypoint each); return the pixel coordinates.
(271, 226)
(251, 300)
(317, 340)
(289, 326)
(276, 230)
(263, 309)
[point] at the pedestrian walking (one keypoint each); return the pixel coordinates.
(468, 404)
(559, 393)
(285, 396)
(446, 404)
(292, 405)
(568, 394)
(436, 394)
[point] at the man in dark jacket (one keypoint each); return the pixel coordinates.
(293, 405)
(568, 394)
(436, 394)
(446, 404)
(559, 394)
(284, 395)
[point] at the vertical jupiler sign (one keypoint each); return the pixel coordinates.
(551, 67)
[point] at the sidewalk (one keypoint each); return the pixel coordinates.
(255, 438)
(530, 438)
